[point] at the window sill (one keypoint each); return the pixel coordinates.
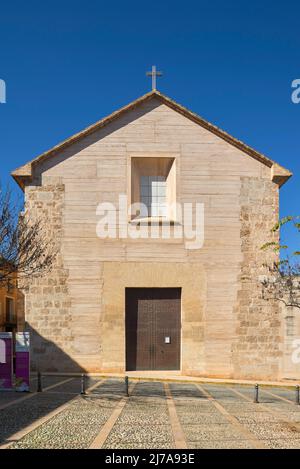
(153, 221)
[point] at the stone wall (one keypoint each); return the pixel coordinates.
(47, 305)
(257, 350)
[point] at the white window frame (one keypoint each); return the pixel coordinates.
(153, 196)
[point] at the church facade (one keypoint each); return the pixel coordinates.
(158, 218)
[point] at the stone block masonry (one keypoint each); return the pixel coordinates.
(257, 349)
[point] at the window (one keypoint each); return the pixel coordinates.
(10, 310)
(152, 188)
(153, 196)
(10, 286)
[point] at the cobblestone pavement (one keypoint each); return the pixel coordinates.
(205, 415)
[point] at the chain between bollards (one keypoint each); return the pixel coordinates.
(39, 382)
(256, 388)
(126, 386)
(298, 394)
(82, 392)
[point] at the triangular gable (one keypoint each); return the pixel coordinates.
(279, 174)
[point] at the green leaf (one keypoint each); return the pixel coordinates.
(268, 245)
(282, 222)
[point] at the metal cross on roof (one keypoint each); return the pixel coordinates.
(154, 73)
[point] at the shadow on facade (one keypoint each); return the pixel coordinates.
(48, 357)
(57, 390)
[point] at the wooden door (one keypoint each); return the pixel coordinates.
(153, 328)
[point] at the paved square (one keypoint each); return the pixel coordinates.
(157, 415)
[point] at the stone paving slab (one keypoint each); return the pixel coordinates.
(224, 393)
(185, 391)
(135, 417)
(227, 392)
(110, 386)
(207, 418)
(150, 434)
(147, 403)
(192, 408)
(149, 389)
(104, 401)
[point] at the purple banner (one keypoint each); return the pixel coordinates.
(6, 361)
(22, 362)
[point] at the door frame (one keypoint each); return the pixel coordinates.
(180, 324)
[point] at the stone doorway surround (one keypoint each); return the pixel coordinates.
(119, 275)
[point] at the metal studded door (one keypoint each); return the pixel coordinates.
(153, 328)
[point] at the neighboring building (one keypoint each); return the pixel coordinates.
(11, 307)
(117, 304)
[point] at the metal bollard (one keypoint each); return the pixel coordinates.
(126, 386)
(82, 392)
(298, 394)
(256, 394)
(39, 382)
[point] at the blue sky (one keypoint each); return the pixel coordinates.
(69, 63)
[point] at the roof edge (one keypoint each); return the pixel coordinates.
(23, 173)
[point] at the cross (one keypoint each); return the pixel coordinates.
(154, 74)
